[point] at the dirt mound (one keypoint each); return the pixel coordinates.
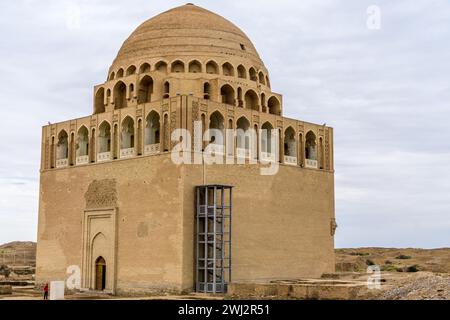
(18, 253)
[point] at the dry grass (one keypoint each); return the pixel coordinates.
(394, 259)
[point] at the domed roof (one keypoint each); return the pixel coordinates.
(186, 31)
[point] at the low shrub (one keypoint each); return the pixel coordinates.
(359, 254)
(370, 262)
(5, 270)
(403, 257)
(389, 268)
(413, 268)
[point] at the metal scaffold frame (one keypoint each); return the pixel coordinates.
(213, 238)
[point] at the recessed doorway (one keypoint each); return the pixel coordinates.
(100, 274)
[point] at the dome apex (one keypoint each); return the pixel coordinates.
(187, 31)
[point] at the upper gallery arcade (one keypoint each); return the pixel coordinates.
(184, 65)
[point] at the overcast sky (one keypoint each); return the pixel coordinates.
(385, 91)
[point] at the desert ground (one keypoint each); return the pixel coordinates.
(405, 274)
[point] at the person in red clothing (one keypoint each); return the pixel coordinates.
(46, 291)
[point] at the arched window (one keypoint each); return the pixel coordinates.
(310, 146)
(251, 100)
(216, 123)
(243, 124)
(152, 129)
(166, 90)
(127, 138)
(119, 73)
(144, 68)
(120, 95)
(195, 67)
(242, 73)
(82, 146)
(261, 78)
(227, 69)
(266, 138)
(161, 66)
(206, 91)
(290, 147)
(274, 106)
(131, 70)
(227, 93)
(145, 90)
(177, 66)
(243, 138)
(112, 76)
(99, 104)
(104, 141)
(263, 102)
(62, 148)
(253, 75)
(212, 68)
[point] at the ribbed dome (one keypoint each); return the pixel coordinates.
(187, 31)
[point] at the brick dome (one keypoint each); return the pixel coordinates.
(184, 32)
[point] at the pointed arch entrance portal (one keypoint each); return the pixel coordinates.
(100, 274)
(98, 270)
